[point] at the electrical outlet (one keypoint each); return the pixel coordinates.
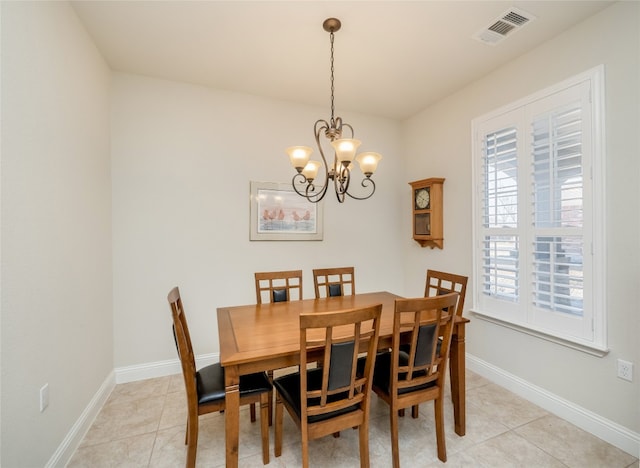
(44, 397)
(625, 370)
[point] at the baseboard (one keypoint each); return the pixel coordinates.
(156, 369)
(609, 431)
(71, 442)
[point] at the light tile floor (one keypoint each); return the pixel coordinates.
(143, 423)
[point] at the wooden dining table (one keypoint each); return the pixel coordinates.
(257, 338)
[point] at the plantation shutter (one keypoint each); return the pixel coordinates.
(500, 215)
(557, 189)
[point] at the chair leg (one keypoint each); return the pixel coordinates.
(439, 416)
(363, 434)
(192, 441)
(252, 412)
(305, 447)
(270, 376)
(264, 426)
(277, 449)
(395, 450)
(415, 411)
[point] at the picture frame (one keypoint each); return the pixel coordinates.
(278, 213)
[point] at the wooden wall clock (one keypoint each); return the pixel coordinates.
(427, 212)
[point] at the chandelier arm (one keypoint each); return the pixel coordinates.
(320, 126)
(338, 183)
(344, 124)
(347, 178)
(343, 177)
(311, 197)
(366, 182)
(302, 180)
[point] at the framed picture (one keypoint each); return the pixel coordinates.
(279, 213)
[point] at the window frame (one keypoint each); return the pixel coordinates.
(520, 315)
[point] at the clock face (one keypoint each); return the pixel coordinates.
(422, 198)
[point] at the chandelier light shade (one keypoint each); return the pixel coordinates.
(344, 153)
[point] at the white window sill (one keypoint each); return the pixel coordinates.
(588, 348)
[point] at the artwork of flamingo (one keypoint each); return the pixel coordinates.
(271, 215)
(281, 212)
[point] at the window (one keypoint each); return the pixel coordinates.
(539, 253)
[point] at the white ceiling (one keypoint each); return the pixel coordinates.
(392, 58)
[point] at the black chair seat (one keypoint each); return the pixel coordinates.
(289, 388)
(210, 384)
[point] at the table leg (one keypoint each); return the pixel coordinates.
(458, 377)
(232, 415)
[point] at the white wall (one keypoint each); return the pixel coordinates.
(183, 157)
(440, 145)
(56, 227)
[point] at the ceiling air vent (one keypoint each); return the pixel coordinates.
(507, 23)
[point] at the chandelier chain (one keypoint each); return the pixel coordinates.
(332, 86)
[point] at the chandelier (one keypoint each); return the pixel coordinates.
(344, 152)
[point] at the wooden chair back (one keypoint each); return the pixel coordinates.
(419, 323)
(340, 336)
(440, 282)
(334, 282)
(185, 349)
(278, 286)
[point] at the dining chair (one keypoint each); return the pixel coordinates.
(330, 282)
(325, 400)
(405, 379)
(440, 282)
(278, 286)
(206, 389)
